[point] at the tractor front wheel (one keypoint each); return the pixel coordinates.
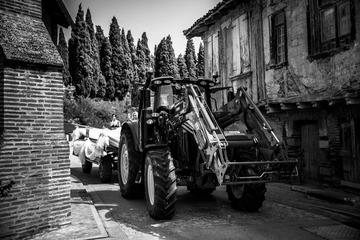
(247, 197)
(129, 163)
(160, 184)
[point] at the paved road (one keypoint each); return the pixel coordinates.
(285, 215)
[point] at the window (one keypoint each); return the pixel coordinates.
(280, 37)
(331, 26)
(278, 48)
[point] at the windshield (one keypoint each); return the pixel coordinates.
(164, 96)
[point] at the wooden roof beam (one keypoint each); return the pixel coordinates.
(352, 100)
(304, 105)
(287, 106)
(273, 108)
(334, 102)
(318, 104)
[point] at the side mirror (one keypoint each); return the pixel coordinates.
(215, 77)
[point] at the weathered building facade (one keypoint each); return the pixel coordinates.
(33, 147)
(300, 61)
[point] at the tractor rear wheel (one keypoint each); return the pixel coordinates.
(160, 184)
(129, 163)
(247, 197)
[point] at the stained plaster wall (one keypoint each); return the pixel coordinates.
(303, 76)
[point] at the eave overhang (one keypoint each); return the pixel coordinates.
(214, 15)
(344, 97)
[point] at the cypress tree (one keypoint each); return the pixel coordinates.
(144, 43)
(100, 38)
(144, 60)
(165, 61)
(64, 53)
(183, 72)
(98, 83)
(128, 68)
(200, 66)
(117, 55)
(140, 63)
(161, 59)
(132, 47)
(173, 68)
(107, 69)
(190, 58)
(79, 58)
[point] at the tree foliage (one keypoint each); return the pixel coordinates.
(64, 53)
(200, 65)
(98, 81)
(183, 71)
(165, 61)
(79, 59)
(190, 58)
(127, 75)
(116, 57)
(110, 67)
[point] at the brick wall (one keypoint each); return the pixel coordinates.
(33, 151)
(31, 8)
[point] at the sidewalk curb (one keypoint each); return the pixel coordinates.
(99, 223)
(329, 195)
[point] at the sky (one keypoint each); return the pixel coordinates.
(158, 18)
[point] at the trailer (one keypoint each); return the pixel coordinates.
(96, 145)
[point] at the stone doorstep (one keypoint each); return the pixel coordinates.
(331, 195)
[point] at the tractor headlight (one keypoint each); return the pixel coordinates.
(150, 122)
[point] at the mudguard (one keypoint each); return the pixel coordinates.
(133, 126)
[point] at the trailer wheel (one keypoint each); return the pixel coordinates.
(86, 166)
(129, 163)
(160, 184)
(247, 197)
(105, 170)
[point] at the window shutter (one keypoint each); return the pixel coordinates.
(244, 41)
(208, 54)
(236, 47)
(215, 54)
(272, 39)
(314, 30)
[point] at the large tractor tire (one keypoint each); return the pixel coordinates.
(247, 197)
(105, 169)
(86, 166)
(129, 163)
(160, 184)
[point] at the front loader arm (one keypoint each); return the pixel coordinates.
(207, 133)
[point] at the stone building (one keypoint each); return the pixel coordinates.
(33, 147)
(300, 61)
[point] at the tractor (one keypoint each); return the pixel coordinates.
(177, 140)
